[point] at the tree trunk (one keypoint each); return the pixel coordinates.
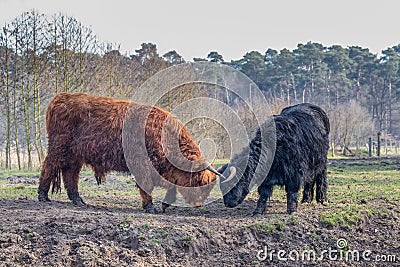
(36, 98)
(390, 108)
(55, 56)
(15, 117)
(8, 108)
(27, 122)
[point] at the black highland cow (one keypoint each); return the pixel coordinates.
(300, 160)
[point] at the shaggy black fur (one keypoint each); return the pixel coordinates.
(300, 159)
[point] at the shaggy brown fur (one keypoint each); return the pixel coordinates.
(85, 129)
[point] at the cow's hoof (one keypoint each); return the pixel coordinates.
(292, 212)
(44, 198)
(291, 207)
(78, 202)
(164, 206)
(150, 208)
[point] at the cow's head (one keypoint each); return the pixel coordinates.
(200, 186)
(234, 190)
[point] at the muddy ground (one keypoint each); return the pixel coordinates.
(112, 230)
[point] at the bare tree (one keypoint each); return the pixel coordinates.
(350, 125)
(5, 89)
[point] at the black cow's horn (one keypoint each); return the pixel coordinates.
(232, 170)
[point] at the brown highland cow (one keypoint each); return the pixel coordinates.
(85, 129)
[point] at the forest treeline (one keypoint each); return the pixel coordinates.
(42, 55)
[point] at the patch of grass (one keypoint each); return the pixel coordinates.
(18, 191)
(188, 238)
(346, 215)
(387, 214)
(24, 172)
(86, 172)
(124, 226)
(219, 162)
(292, 220)
(268, 227)
(155, 240)
(163, 232)
(117, 190)
(130, 181)
(280, 225)
(360, 184)
(256, 224)
(128, 219)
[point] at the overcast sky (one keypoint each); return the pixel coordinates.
(194, 28)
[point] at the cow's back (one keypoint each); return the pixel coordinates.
(89, 126)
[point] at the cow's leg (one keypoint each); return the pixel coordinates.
(308, 191)
(147, 200)
(170, 197)
(291, 198)
(322, 186)
(264, 193)
(99, 175)
(144, 182)
(49, 173)
(71, 178)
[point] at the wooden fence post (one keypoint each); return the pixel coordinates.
(378, 149)
(370, 147)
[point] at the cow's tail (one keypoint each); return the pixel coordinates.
(56, 181)
(50, 176)
(56, 114)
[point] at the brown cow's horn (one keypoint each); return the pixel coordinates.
(211, 169)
